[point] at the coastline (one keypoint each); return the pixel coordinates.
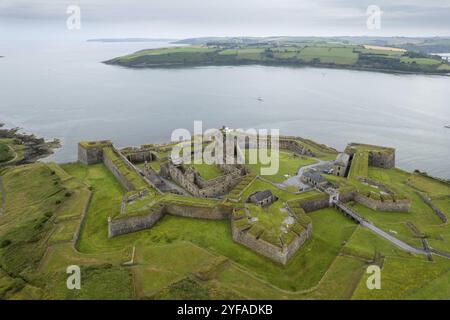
(269, 64)
(27, 148)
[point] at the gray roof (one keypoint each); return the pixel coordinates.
(342, 159)
(314, 176)
(261, 195)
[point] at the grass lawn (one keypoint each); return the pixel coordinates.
(131, 175)
(424, 61)
(187, 258)
(306, 268)
(337, 55)
(289, 163)
(403, 278)
(6, 153)
(434, 188)
(36, 197)
(360, 165)
(10, 150)
(207, 172)
(260, 185)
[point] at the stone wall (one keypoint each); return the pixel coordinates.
(298, 242)
(260, 246)
(194, 184)
(126, 225)
(387, 205)
(436, 210)
(90, 156)
(347, 196)
(116, 172)
(295, 147)
(275, 253)
(315, 204)
(140, 156)
(133, 224)
(286, 143)
(219, 212)
(383, 159)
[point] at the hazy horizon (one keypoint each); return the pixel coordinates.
(179, 19)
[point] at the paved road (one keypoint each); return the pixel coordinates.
(295, 180)
(367, 224)
(399, 243)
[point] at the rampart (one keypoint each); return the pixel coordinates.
(400, 205)
(191, 181)
(91, 152)
(436, 210)
(127, 225)
(381, 157)
(130, 224)
(123, 170)
(313, 203)
(280, 254)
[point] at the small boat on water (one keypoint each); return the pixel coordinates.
(259, 99)
(447, 126)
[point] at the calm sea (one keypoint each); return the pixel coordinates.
(62, 90)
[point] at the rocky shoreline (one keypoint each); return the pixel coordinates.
(33, 148)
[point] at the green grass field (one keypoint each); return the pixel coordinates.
(186, 258)
(309, 53)
(6, 154)
(289, 163)
(10, 151)
(207, 172)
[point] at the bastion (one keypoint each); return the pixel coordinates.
(91, 152)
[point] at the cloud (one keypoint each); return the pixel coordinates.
(212, 17)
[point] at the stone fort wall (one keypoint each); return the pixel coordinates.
(132, 224)
(275, 253)
(116, 172)
(315, 204)
(194, 184)
(91, 152)
(284, 143)
(140, 156)
(126, 225)
(219, 212)
(403, 205)
(380, 157)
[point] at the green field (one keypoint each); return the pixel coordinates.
(186, 258)
(360, 165)
(289, 163)
(6, 154)
(207, 172)
(10, 151)
(319, 54)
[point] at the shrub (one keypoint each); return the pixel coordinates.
(4, 243)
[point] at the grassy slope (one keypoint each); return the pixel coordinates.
(6, 153)
(421, 215)
(330, 266)
(42, 207)
(215, 236)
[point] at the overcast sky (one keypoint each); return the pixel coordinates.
(193, 18)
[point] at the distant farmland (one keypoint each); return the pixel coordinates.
(317, 54)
